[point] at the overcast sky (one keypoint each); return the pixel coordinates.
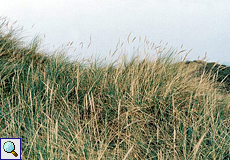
(200, 25)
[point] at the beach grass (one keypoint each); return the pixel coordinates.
(138, 109)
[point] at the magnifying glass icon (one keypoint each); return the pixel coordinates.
(9, 147)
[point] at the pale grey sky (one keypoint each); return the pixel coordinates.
(200, 25)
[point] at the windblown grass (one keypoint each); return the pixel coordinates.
(138, 109)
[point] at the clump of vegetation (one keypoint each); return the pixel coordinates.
(221, 72)
(138, 109)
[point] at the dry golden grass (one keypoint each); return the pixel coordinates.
(139, 109)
